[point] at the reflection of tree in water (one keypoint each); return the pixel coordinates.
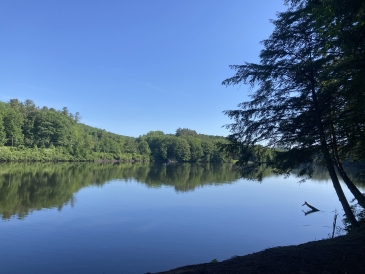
(186, 177)
(256, 172)
(28, 187)
(320, 174)
(260, 172)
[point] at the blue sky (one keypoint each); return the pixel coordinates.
(132, 66)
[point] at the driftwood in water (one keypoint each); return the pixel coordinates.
(313, 209)
(310, 206)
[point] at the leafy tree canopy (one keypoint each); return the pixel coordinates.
(308, 96)
(24, 128)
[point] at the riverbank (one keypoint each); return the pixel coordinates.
(343, 254)
(59, 154)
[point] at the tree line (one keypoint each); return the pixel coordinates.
(185, 145)
(308, 103)
(28, 132)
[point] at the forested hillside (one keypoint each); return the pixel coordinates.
(28, 132)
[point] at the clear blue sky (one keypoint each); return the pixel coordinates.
(132, 66)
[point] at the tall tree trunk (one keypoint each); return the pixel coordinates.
(351, 186)
(329, 164)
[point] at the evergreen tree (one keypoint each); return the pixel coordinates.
(293, 107)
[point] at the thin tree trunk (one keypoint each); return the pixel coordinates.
(351, 186)
(329, 164)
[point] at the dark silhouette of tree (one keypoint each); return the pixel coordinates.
(296, 106)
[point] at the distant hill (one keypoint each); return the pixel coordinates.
(30, 132)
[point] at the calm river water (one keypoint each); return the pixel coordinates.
(138, 218)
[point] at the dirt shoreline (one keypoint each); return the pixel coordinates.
(344, 254)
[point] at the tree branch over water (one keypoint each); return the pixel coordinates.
(312, 63)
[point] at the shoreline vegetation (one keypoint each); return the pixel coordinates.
(30, 133)
(342, 254)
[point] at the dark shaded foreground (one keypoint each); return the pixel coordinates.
(344, 254)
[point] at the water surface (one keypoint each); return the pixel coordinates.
(138, 218)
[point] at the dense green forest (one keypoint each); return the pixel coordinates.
(31, 133)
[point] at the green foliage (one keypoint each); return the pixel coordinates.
(196, 150)
(179, 149)
(2, 132)
(185, 132)
(60, 137)
(310, 93)
(46, 134)
(51, 127)
(208, 150)
(13, 120)
(310, 98)
(186, 146)
(143, 147)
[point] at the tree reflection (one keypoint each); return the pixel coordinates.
(28, 187)
(258, 172)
